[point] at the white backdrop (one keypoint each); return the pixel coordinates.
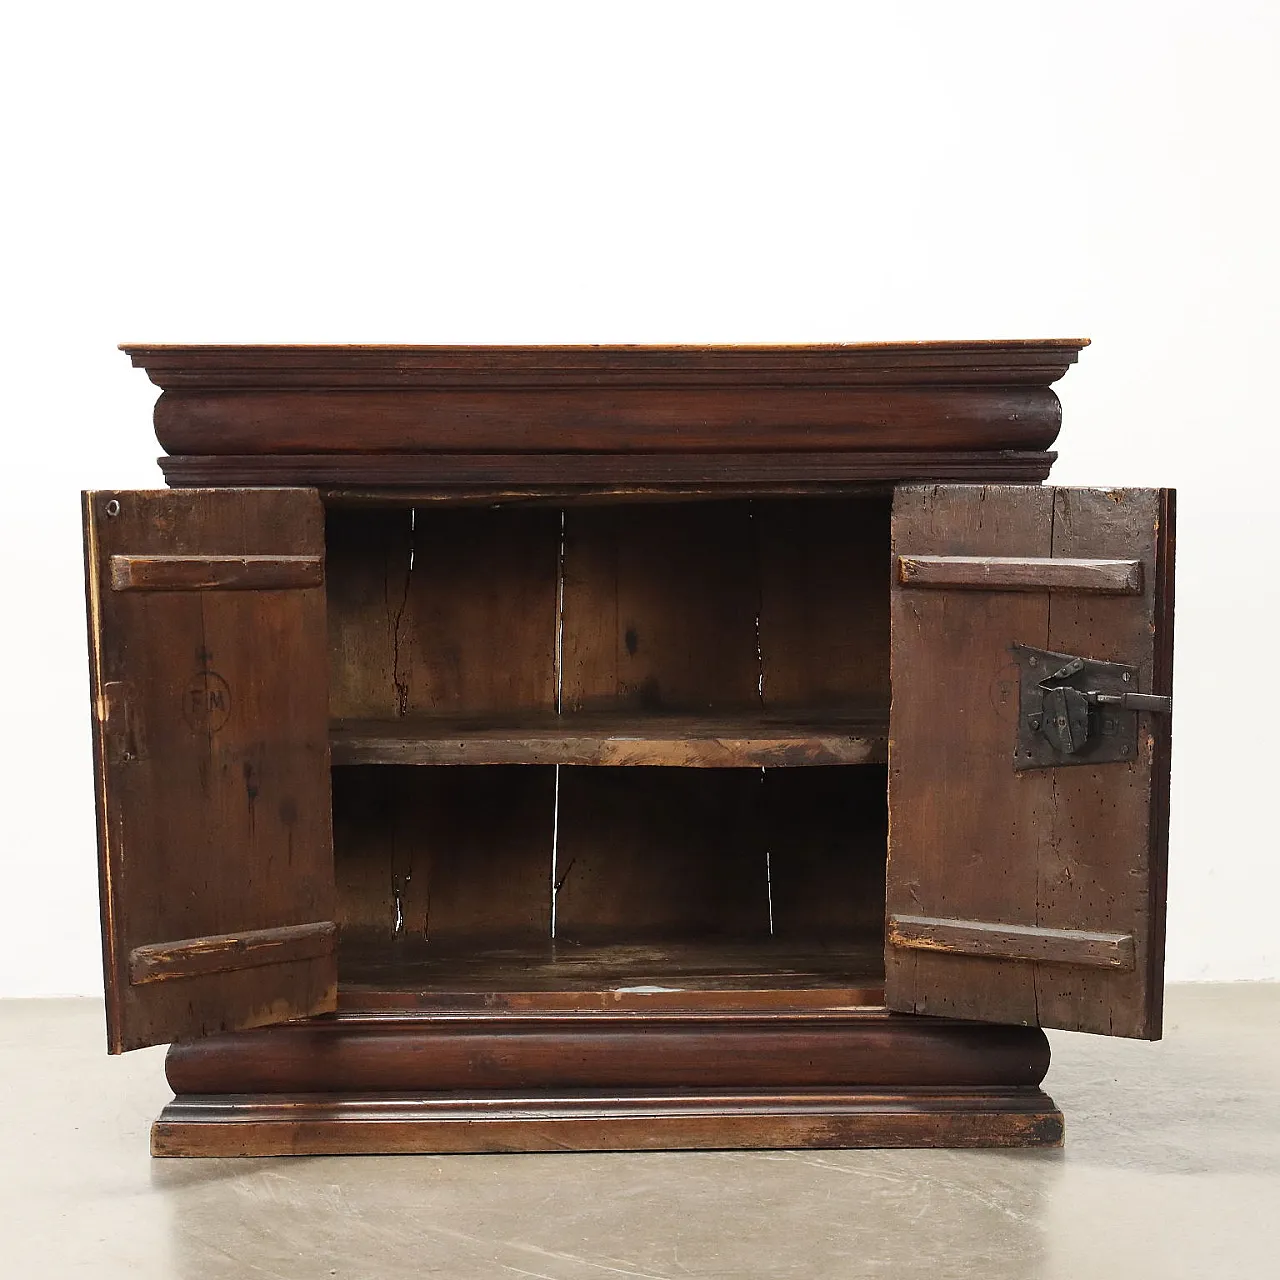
(651, 172)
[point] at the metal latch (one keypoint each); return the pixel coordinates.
(1077, 710)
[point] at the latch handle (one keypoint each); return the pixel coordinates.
(1156, 702)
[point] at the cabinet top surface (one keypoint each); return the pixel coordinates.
(1033, 362)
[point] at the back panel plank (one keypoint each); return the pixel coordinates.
(647, 854)
(779, 857)
(824, 602)
(212, 760)
(1073, 850)
(660, 607)
(825, 840)
(446, 612)
(444, 856)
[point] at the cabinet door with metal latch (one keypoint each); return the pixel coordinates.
(1032, 655)
(208, 673)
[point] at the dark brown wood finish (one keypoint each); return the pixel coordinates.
(824, 834)
(823, 605)
(224, 953)
(1071, 849)
(588, 418)
(658, 854)
(442, 612)
(446, 856)
(475, 1051)
(204, 573)
(659, 609)
(348, 1124)
(1010, 362)
(247, 400)
(471, 1081)
(211, 756)
(572, 477)
(630, 597)
(541, 974)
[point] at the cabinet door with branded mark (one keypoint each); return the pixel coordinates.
(1028, 791)
(208, 670)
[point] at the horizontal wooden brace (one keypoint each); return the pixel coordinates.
(206, 573)
(1013, 941)
(225, 952)
(1022, 573)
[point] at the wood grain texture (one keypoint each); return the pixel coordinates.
(446, 856)
(343, 1125)
(790, 856)
(207, 573)
(659, 609)
(824, 833)
(611, 739)
(659, 854)
(212, 769)
(442, 612)
(226, 952)
(823, 603)
(1072, 849)
(1022, 573)
(1013, 942)
(761, 607)
(764, 975)
(511, 477)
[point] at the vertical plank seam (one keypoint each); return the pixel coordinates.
(558, 663)
(757, 563)
(402, 687)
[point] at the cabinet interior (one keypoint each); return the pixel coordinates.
(612, 752)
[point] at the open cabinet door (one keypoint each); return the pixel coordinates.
(207, 641)
(1028, 792)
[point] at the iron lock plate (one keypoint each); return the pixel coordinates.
(1060, 721)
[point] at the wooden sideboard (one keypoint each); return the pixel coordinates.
(507, 749)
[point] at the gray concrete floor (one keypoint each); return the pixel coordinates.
(1171, 1169)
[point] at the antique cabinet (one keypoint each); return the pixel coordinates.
(623, 747)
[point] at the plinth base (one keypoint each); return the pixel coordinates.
(304, 1124)
(588, 1080)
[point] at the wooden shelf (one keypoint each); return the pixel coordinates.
(743, 741)
(708, 974)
